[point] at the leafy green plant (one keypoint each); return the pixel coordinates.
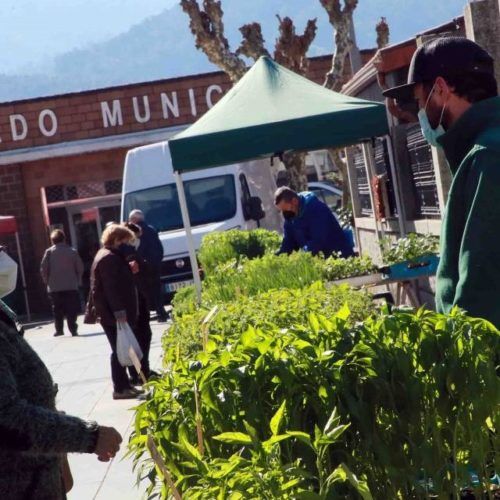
(409, 248)
(218, 248)
(250, 277)
(337, 268)
(184, 301)
(413, 392)
(276, 308)
(345, 217)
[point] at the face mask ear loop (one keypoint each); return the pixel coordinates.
(429, 97)
(442, 113)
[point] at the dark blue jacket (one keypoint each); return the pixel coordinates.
(150, 249)
(315, 229)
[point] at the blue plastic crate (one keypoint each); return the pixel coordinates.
(422, 266)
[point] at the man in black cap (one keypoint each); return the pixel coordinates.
(452, 82)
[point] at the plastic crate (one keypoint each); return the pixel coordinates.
(422, 266)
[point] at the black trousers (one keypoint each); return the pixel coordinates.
(65, 304)
(118, 372)
(156, 291)
(143, 334)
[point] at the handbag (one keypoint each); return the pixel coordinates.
(90, 315)
(125, 342)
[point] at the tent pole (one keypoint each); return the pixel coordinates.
(189, 234)
(396, 186)
(370, 171)
(23, 276)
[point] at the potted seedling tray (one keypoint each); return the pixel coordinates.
(360, 281)
(426, 265)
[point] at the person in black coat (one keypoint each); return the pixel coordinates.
(151, 250)
(115, 298)
(142, 329)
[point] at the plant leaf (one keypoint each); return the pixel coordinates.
(277, 419)
(234, 438)
(361, 486)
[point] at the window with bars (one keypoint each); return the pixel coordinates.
(382, 167)
(423, 177)
(68, 192)
(363, 183)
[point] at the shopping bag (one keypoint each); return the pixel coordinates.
(126, 341)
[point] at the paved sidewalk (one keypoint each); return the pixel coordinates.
(80, 366)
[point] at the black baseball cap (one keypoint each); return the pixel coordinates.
(446, 56)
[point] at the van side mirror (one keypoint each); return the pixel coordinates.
(252, 209)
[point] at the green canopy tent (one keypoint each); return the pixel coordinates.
(270, 110)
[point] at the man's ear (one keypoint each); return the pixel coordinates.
(442, 89)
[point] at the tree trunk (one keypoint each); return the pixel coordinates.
(341, 20)
(295, 164)
(337, 160)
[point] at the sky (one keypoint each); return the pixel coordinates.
(32, 32)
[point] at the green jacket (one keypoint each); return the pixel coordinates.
(469, 271)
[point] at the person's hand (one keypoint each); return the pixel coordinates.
(108, 443)
(134, 266)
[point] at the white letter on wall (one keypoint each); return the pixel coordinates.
(14, 121)
(114, 117)
(47, 132)
(147, 112)
(210, 91)
(172, 105)
(192, 100)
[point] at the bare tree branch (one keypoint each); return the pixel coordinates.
(341, 19)
(253, 44)
(383, 33)
(291, 49)
(207, 27)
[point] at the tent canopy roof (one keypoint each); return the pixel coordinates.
(272, 109)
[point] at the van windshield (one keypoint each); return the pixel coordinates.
(212, 199)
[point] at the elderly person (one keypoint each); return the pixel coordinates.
(35, 437)
(151, 250)
(114, 296)
(142, 328)
(61, 269)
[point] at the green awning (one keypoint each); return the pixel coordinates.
(272, 109)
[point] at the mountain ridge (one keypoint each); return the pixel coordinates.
(162, 45)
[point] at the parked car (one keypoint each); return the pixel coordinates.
(327, 192)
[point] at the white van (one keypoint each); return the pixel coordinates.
(236, 196)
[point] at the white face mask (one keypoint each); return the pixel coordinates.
(431, 134)
(8, 274)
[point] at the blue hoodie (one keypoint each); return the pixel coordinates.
(315, 229)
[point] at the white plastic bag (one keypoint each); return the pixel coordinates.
(126, 341)
(8, 273)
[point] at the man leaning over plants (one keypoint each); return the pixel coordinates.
(452, 81)
(309, 225)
